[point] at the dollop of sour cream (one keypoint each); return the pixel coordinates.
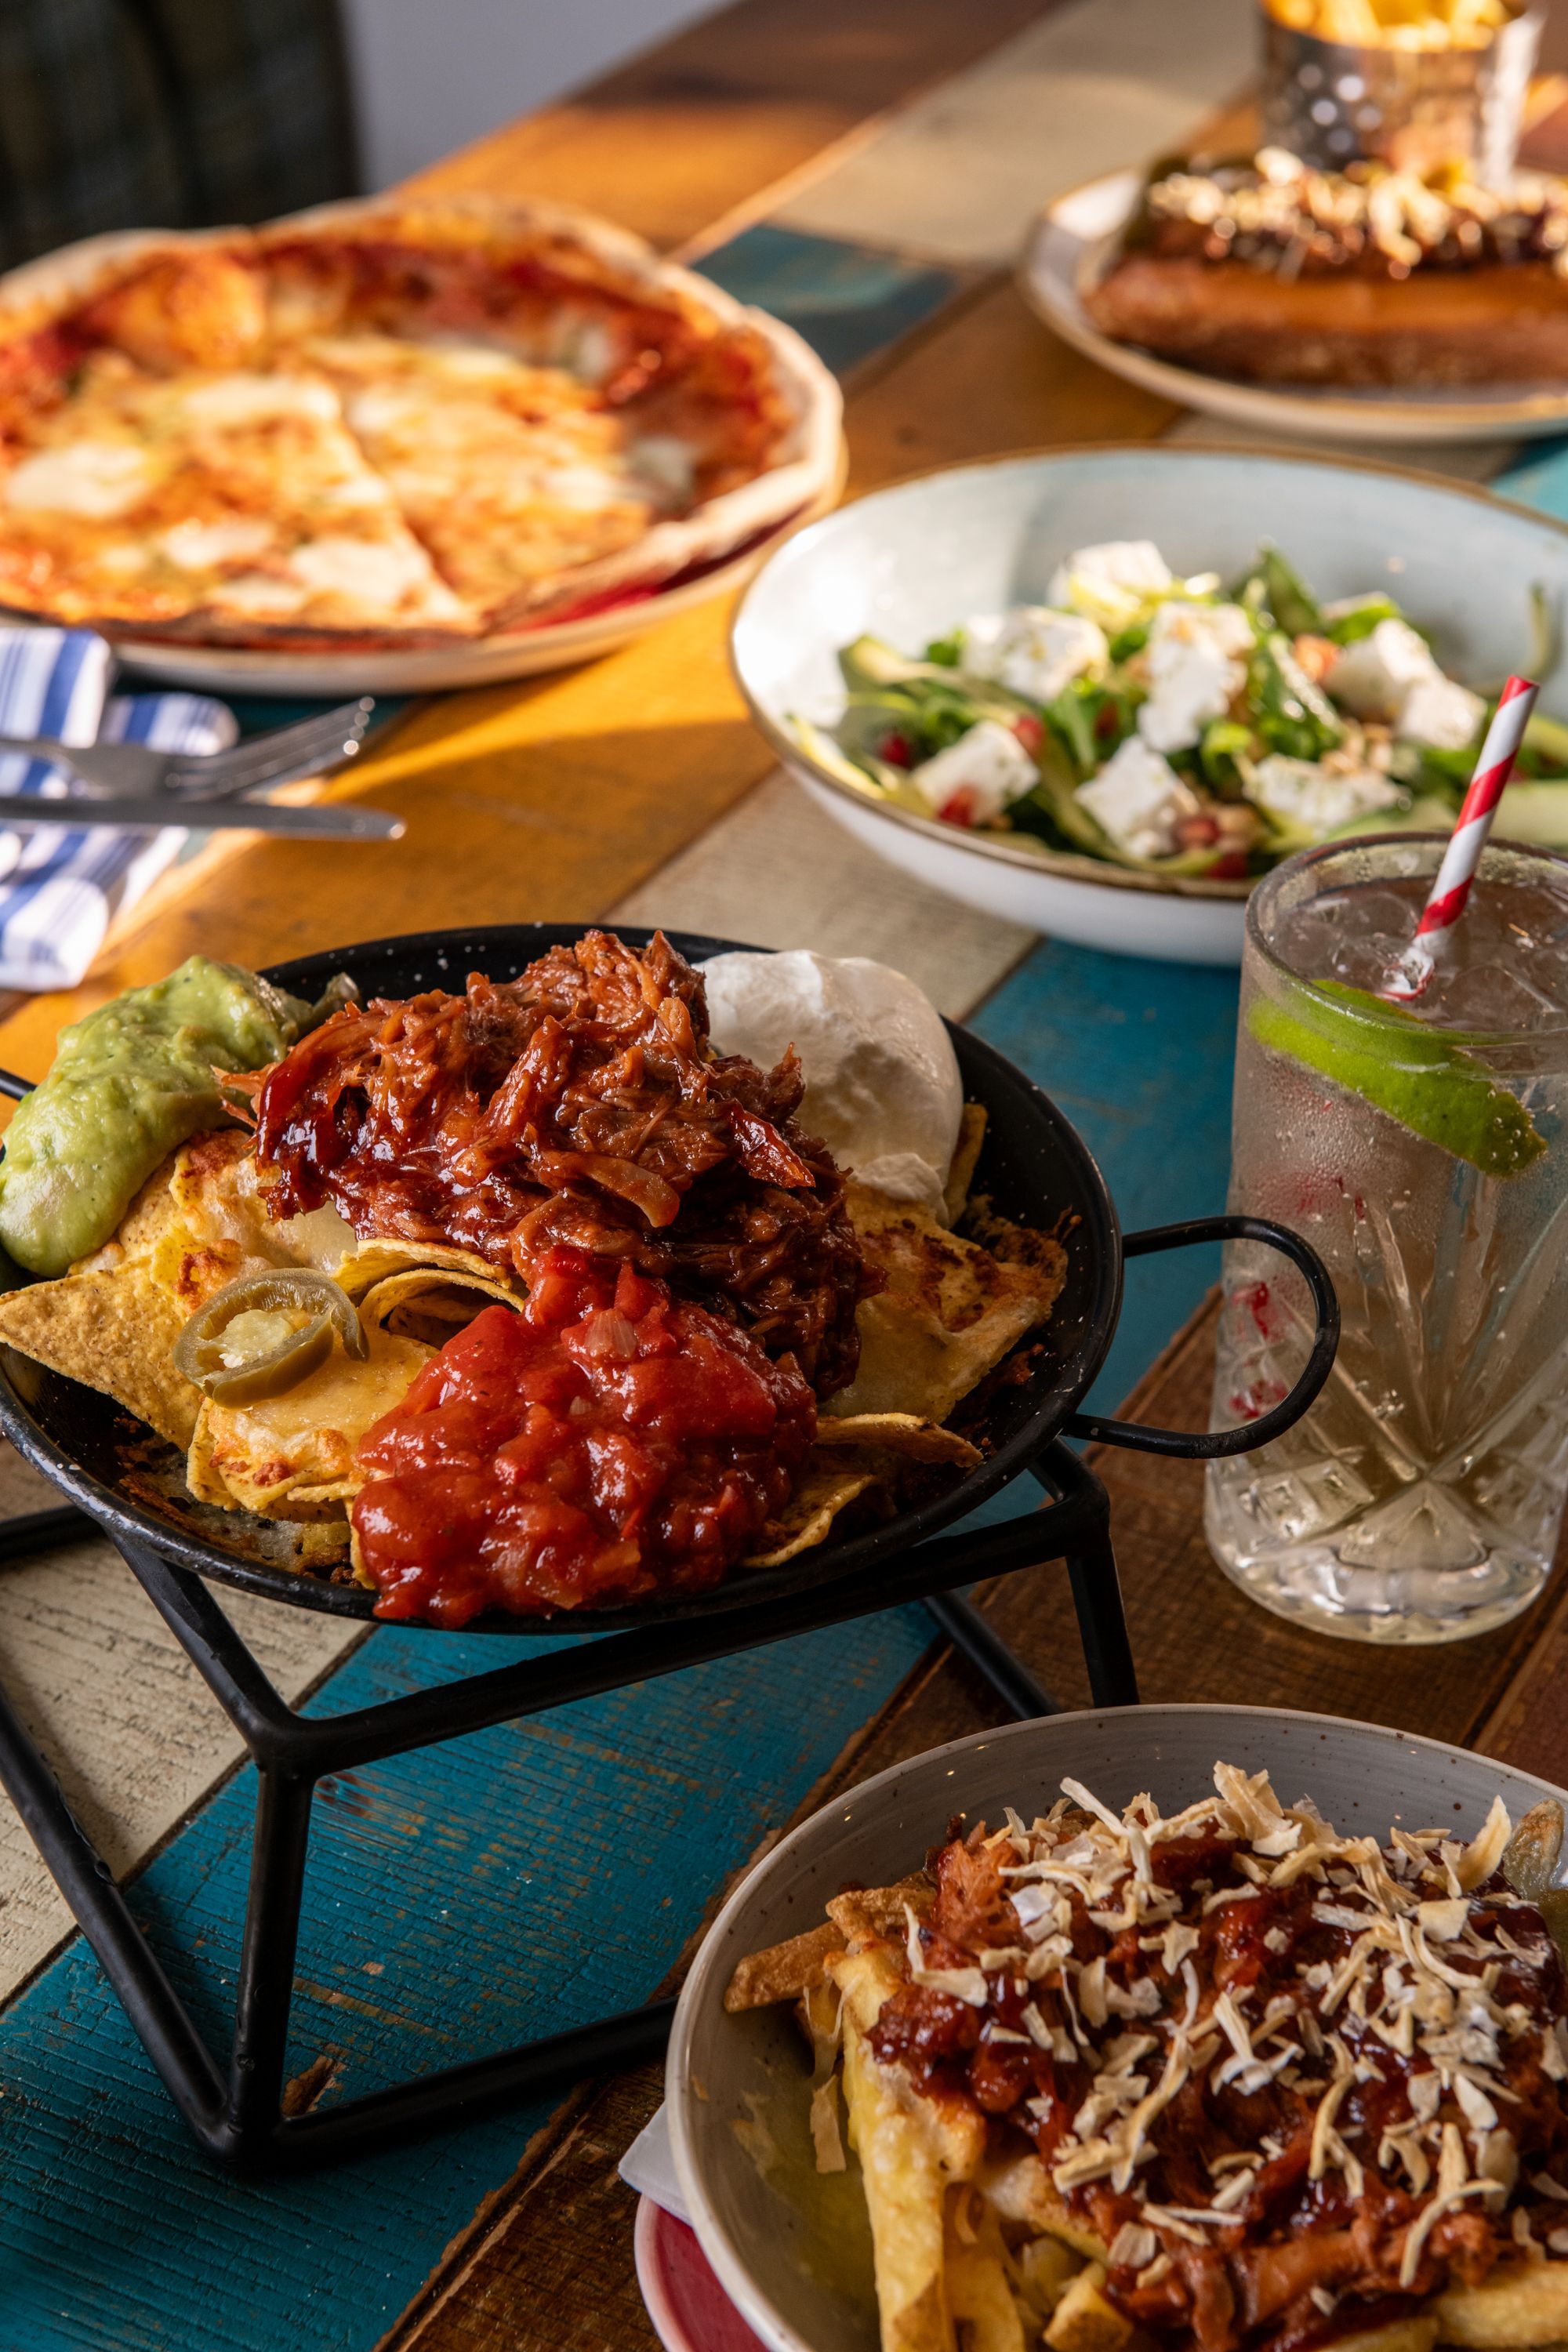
(882, 1085)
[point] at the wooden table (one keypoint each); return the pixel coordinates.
(864, 166)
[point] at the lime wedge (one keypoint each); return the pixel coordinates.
(1412, 1073)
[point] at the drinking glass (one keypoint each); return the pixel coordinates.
(1424, 1151)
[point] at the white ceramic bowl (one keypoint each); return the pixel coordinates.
(751, 2072)
(908, 563)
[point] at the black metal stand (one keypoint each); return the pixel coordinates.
(235, 2115)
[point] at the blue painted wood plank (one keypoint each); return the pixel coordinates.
(1539, 480)
(847, 300)
(1139, 1055)
(519, 1882)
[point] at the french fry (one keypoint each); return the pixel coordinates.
(1046, 2268)
(1398, 24)
(979, 2299)
(871, 1911)
(1417, 2333)
(1022, 2191)
(904, 2191)
(1083, 2321)
(1528, 2306)
(783, 1972)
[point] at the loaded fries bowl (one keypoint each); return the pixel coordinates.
(1208, 2029)
(462, 1280)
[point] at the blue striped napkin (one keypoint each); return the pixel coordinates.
(61, 885)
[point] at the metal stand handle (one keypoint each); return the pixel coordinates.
(1218, 1445)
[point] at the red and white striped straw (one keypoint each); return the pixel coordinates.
(1452, 886)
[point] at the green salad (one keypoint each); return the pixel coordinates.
(1179, 725)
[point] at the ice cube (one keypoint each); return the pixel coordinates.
(1486, 996)
(1424, 1529)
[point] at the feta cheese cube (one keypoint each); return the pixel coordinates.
(1034, 651)
(1372, 677)
(1317, 798)
(1139, 800)
(1439, 710)
(1111, 583)
(1196, 659)
(974, 778)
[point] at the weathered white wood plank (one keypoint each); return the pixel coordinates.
(960, 174)
(777, 872)
(133, 1730)
(1462, 461)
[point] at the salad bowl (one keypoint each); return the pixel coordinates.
(1486, 580)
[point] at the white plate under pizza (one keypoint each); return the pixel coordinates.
(389, 444)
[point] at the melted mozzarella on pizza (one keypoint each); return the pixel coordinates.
(242, 493)
(511, 473)
(393, 434)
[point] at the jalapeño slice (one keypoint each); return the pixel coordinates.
(265, 1333)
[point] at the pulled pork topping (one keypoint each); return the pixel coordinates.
(1280, 213)
(1294, 2081)
(580, 1106)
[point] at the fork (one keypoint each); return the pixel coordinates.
(281, 757)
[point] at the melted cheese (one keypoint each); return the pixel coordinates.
(94, 479)
(370, 570)
(257, 399)
(667, 462)
(198, 546)
(258, 1455)
(257, 592)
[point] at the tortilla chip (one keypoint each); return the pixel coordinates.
(949, 1312)
(293, 1455)
(904, 1433)
(216, 1186)
(322, 1544)
(823, 1489)
(1041, 1255)
(373, 1260)
(143, 1225)
(966, 1157)
(114, 1331)
(432, 1302)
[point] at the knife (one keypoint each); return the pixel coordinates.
(151, 813)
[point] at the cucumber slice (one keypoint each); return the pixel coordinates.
(878, 779)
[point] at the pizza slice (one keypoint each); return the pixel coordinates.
(512, 474)
(228, 505)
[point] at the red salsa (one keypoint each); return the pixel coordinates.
(606, 1441)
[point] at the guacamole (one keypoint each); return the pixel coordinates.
(129, 1084)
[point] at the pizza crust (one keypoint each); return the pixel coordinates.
(779, 379)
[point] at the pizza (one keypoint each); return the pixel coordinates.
(379, 425)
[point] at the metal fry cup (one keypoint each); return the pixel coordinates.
(1338, 102)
